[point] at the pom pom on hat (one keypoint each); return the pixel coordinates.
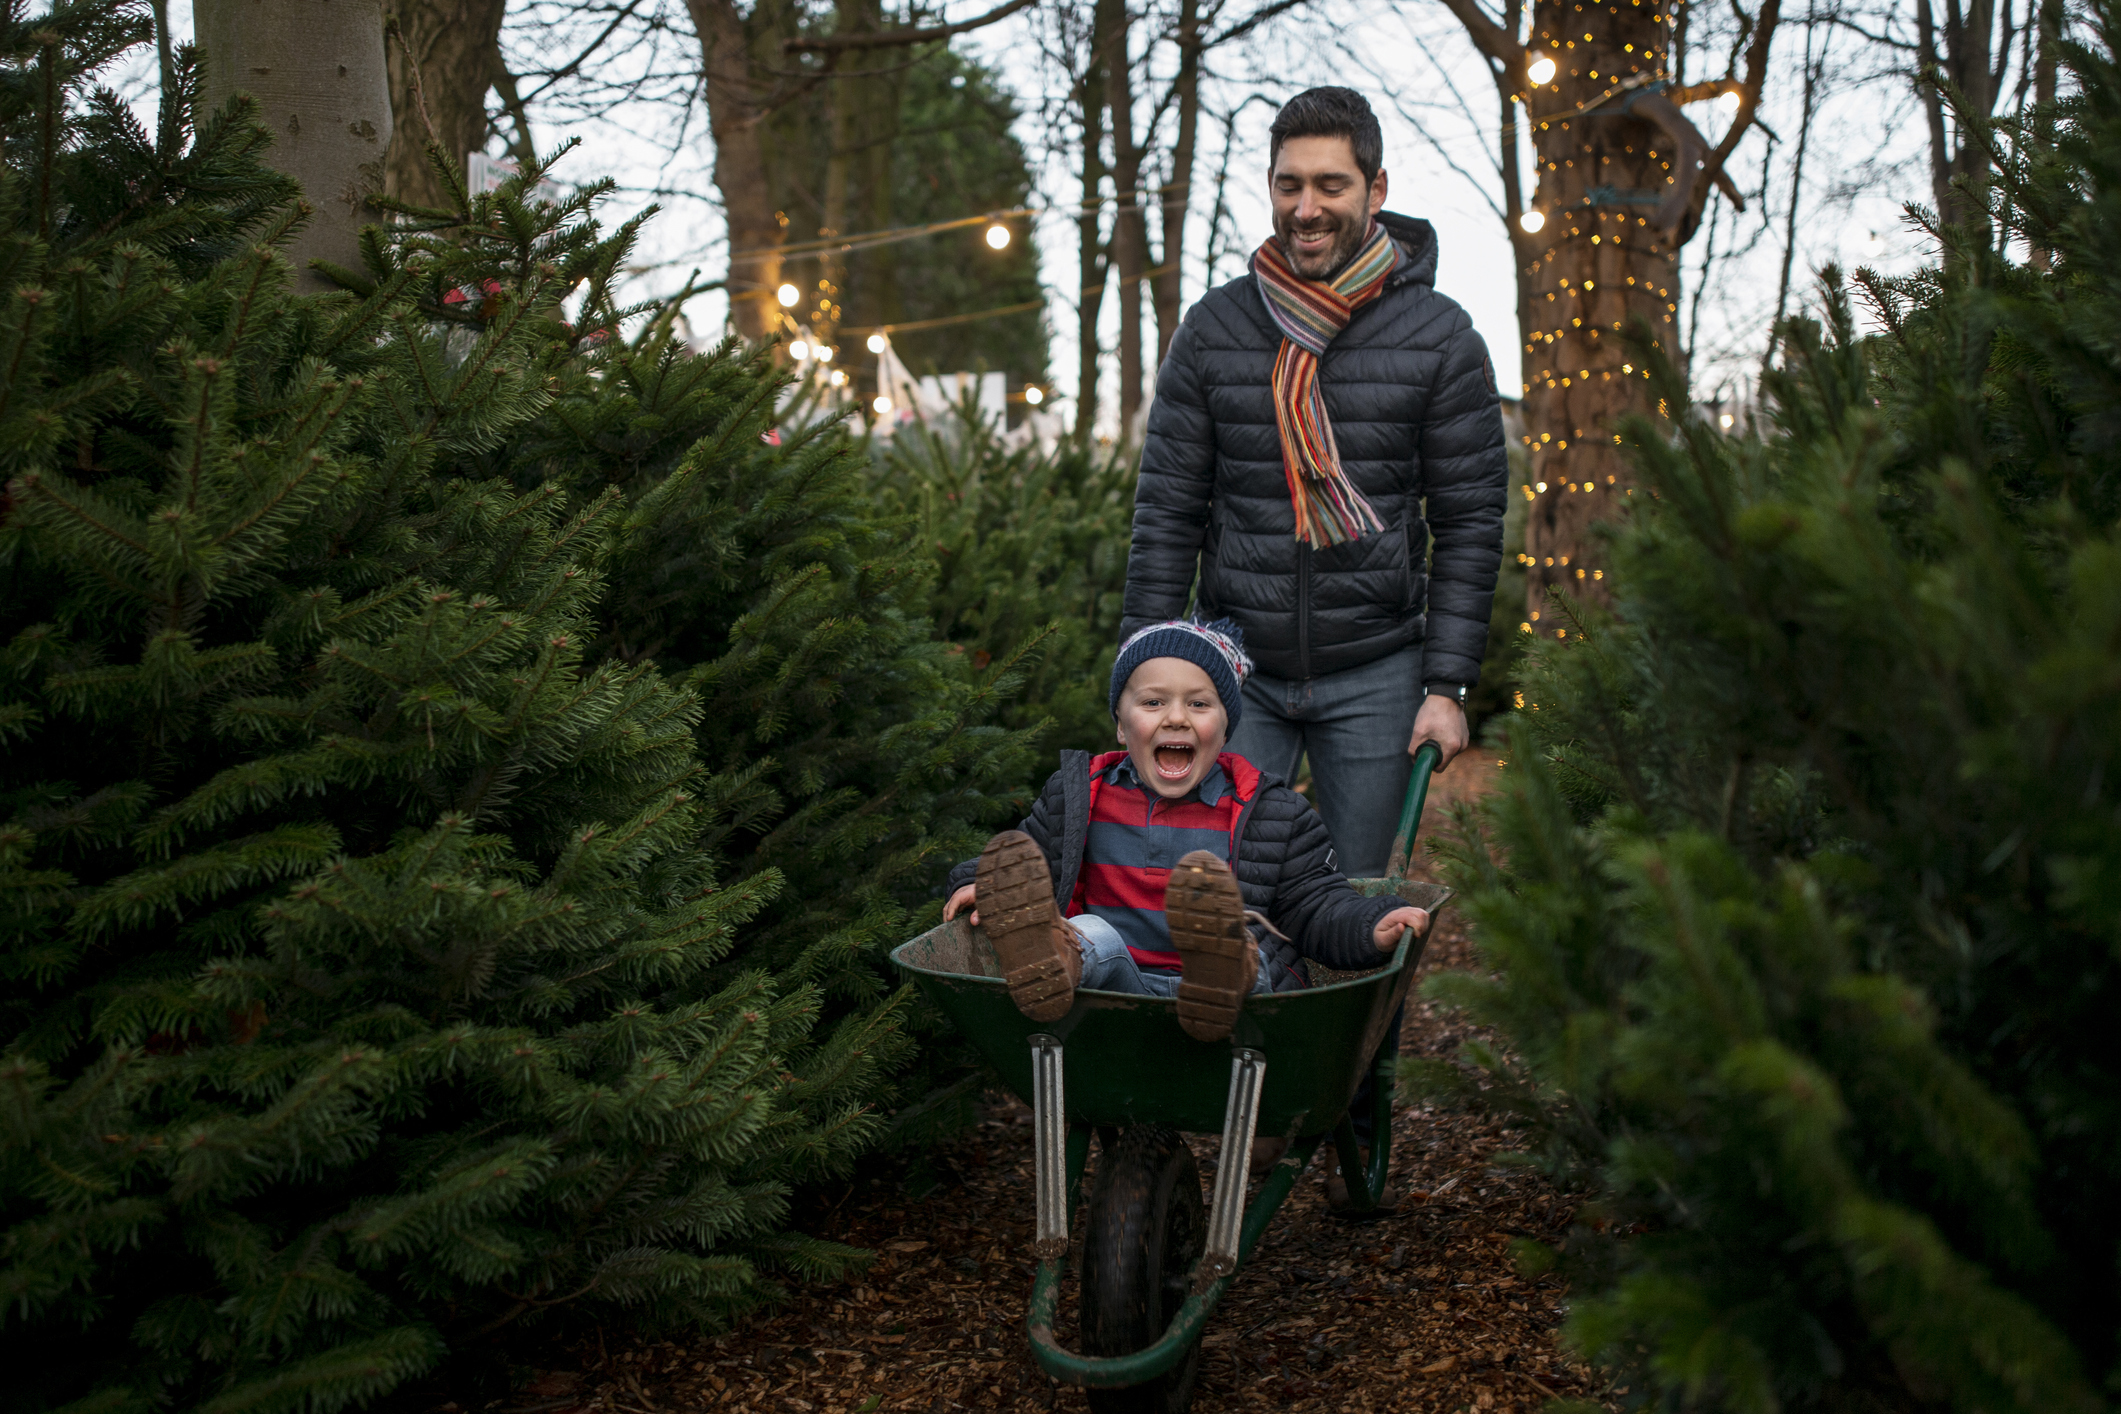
(1216, 648)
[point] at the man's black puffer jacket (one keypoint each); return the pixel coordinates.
(1412, 398)
(1284, 867)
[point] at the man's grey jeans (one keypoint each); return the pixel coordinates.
(1355, 726)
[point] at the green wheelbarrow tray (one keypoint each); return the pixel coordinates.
(1289, 1069)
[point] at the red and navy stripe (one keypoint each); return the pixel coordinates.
(1137, 838)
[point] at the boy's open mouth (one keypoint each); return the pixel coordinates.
(1174, 759)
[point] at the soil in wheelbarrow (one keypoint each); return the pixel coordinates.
(1423, 1310)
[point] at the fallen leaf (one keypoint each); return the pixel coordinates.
(1448, 1362)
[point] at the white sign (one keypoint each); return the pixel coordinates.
(483, 173)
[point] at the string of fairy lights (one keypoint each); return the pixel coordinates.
(810, 343)
(1571, 300)
(806, 347)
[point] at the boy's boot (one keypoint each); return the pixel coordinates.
(1218, 960)
(1337, 1188)
(1040, 958)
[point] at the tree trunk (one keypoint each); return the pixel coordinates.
(2044, 66)
(318, 71)
(880, 98)
(1522, 245)
(1969, 53)
(1178, 190)
(1596, 267)
(1090, 246)
(1130, 224)
(1814, 70)
(858, 178)
(2044, 63)
(447, 55)
(735, 109)
(839, 160)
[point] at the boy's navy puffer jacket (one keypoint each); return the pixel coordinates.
(1283, 862)
(1415, 412)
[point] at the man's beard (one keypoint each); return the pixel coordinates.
(1348, 236)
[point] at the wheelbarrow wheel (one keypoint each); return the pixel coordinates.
(1146, 1230)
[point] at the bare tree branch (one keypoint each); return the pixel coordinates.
(1489, 37)
(894, 38)
(573, 66)
(1885, 41)
(512, 103)
(1254, 20)
(1688, 197)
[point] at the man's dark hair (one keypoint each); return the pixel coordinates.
(1330, 112)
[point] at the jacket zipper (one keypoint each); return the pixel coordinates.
(1303, 611)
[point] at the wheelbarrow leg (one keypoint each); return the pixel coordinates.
(1059, 1150)
(1226, 1210)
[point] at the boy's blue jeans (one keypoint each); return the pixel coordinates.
(1109, 967)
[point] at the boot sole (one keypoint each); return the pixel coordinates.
(1387, 1204)
(1014, 889)
(1206, 912)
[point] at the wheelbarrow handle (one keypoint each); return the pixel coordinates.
(1426, 761)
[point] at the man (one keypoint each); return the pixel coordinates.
(1305, 417)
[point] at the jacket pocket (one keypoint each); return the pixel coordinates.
(1416, 531)
(1210, 597)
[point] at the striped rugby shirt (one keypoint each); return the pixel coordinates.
(1137, 838)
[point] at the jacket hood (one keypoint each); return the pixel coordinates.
(1418, 239)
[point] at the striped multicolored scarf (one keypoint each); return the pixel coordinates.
(1310, 314)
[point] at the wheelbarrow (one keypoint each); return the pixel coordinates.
(1155, 1263)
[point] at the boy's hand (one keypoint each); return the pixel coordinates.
(959, 901)
(1386, 933)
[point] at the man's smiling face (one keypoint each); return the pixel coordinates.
(1322, 206)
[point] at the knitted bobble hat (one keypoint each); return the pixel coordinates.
(1217, 649)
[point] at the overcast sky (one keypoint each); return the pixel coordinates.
(1865, 160)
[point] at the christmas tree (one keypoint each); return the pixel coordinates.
(853, 755)
(1804, 901)
(1031, 552)
(373, 988)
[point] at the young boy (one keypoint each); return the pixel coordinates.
(1137, 870)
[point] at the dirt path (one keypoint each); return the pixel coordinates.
(1421, 1311)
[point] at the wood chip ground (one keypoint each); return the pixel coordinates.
(1423, 1310)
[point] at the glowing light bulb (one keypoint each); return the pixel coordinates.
(788, 295)
(1730, 100)
(998, 236)
(1533, 221)
(1540, 70)
(1725, 421)
(1033, 395)
(876, 343)
(882, 404)
(824, 353)
(799, 351)
(1542, 485)
(839, 379)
